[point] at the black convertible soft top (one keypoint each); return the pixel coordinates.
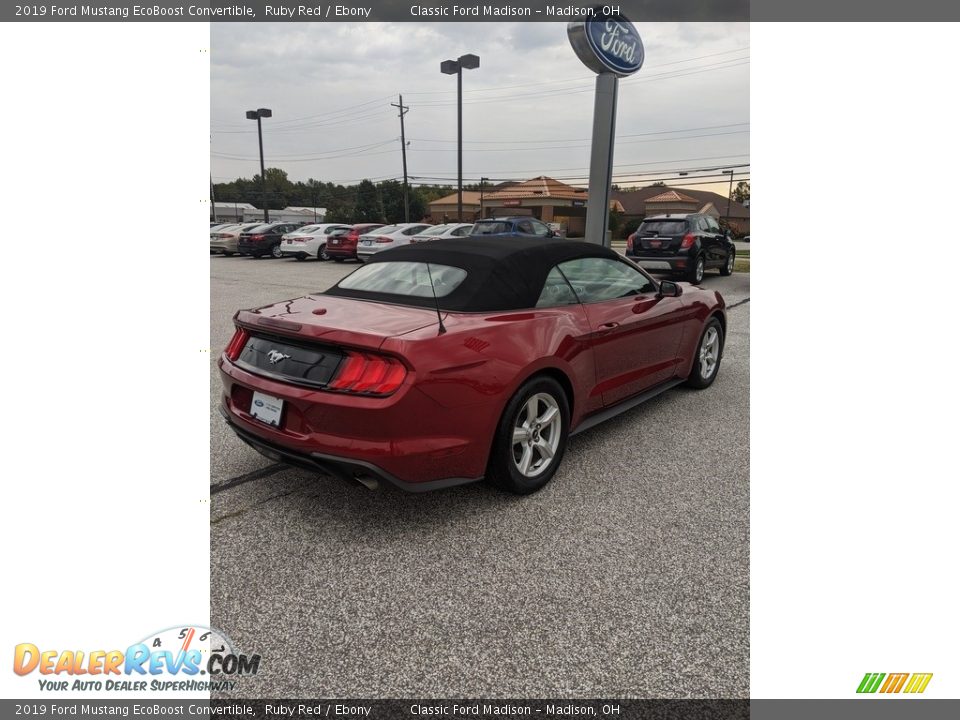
(503, 273)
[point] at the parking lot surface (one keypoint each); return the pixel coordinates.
(627, 576)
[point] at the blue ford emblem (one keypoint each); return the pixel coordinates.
(258, 403)
(607, 45)
(616, 44)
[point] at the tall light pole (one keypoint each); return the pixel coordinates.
(257, 115)
(729, 195)
(482, 181)
(456, 67)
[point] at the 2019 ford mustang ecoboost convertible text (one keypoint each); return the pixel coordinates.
(447, 362)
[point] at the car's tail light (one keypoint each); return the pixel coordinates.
(236, 345)
(383, 239)
(256, 238)
(368, 374)
(688, 240)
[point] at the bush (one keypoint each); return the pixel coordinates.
(630, 227)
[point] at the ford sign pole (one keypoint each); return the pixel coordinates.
(601, 157)
(612, 48)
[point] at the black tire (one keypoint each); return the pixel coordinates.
(227, 254)
(322, 253)
(700, 377)
(338, 260)
(276, 252)
(503, 470)
(695, 273)
(300, 258)
(727, 268)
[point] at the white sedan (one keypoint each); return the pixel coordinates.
(309, 241)
(438, 232)
(387, 237)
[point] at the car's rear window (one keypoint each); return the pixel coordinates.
(385, 230)
(491, 228)
(664, 227)
(435, 230)
(259, 228)
(306, 229)
(411, 279)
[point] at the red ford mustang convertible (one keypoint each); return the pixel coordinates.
(442, 363)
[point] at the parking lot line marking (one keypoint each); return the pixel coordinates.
(247, 477)
(739, 302)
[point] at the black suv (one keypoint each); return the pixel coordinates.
(264, 239)
(683, 244)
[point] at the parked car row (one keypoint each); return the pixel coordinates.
(681, 244)
(339, 241)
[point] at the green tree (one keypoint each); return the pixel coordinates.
(366, 208)
(742, 192)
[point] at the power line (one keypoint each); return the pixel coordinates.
(528, 142)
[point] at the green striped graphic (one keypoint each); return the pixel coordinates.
(870, 682)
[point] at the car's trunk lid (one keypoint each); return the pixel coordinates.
(329, 320)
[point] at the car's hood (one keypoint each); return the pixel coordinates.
(338, 320)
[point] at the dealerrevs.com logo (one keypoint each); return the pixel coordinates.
(911, 683)
(182, 659)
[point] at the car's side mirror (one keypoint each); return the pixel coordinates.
(669, 289)
(551, 233)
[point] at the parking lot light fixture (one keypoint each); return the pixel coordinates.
(456, 67)
(258, 115)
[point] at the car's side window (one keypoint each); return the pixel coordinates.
(556, 291)
(540, 229)
(524, 226)
(599, 279)
(713, 225)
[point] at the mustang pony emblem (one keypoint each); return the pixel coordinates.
(275, 356)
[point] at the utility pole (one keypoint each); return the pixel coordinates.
(729, 195)
(403, 148)
(213, 200)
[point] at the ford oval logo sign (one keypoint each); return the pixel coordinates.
(607, 45)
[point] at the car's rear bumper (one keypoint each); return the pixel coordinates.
(299, 249)
(361, 436)
(367, 251)
(338, 252)
(252, 248)
(350, 469)
(664, 263)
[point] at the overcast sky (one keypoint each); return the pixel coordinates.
(527, 110)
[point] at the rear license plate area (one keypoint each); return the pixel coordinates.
(266, 408)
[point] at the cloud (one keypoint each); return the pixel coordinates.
(527, 109)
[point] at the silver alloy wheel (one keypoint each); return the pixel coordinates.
(322, 256)
(276, 251)
(709, 353)
(699, 271)
(730, 259)
(536, 434)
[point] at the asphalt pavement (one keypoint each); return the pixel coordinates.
(627, 576)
